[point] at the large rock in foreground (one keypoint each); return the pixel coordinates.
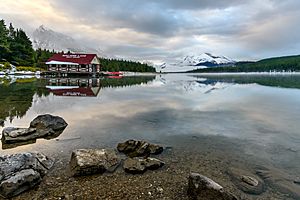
(12, 135)
(43, 126)
(135, 148)
(20, 172)
(92, 161)
(48, 122)
(202, 188)
(140, 165)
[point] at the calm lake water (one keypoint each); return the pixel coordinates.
(257, 114)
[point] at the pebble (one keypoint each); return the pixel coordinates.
(297, 182)
(160, 189)
(247, 182)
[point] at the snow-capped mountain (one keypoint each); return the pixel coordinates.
(46, 38)
(192, 62)
(205, 59)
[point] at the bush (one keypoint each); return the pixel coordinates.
(4, 66)
(7, 65)
(25, 68)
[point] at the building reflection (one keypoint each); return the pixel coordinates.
(17, 95)
(90, 87)
(75, 87)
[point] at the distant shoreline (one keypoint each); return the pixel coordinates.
(249, 73)
(164, 73)
(235, 73)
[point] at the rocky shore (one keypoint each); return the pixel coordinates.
(136, 169)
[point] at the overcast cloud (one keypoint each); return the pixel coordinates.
(159, 29)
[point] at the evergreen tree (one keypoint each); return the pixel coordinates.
(11, 41)
(4, 44)
(11, 31)
(124, 65)
(21, 49)
(41, 56)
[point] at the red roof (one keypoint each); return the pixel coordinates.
(79, 92)
(81, 59)
(114, 73)
(116, 77)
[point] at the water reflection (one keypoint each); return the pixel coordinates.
(257, 122)
(284, 81)
(17, 94)
(76, 87)
(14, 145)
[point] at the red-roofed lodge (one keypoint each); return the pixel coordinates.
(73, 63)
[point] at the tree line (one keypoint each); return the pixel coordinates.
(266, 80)
(278, 64)
(16, 48)
(124, 65)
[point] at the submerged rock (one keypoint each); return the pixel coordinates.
(250, 180)
(202, 188)
(91, 161)
(140, 165)
(43, 126)
(20, 172)
(279, 180)
(247, 182)
(135, 148)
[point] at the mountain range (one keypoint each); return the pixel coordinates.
(193, 62)
(45, 38)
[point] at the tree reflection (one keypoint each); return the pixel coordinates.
(17, 96)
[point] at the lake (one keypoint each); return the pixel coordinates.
(208, 123)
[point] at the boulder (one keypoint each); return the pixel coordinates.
(134, 148)
(92, 161)
(153, 163)
(20, 172)
(43, 126)
(140, 165)
(11, 134)
(48, 122)
(247, 182)
(203, 188)
(21, 181)
(2, 122)
(134, 165)
(155, 149)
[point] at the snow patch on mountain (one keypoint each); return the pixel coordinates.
(188, 84)
(192, 62)
(46, 38)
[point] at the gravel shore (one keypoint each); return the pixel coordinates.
(206, 155)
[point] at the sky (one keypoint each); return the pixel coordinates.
(157, 30)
